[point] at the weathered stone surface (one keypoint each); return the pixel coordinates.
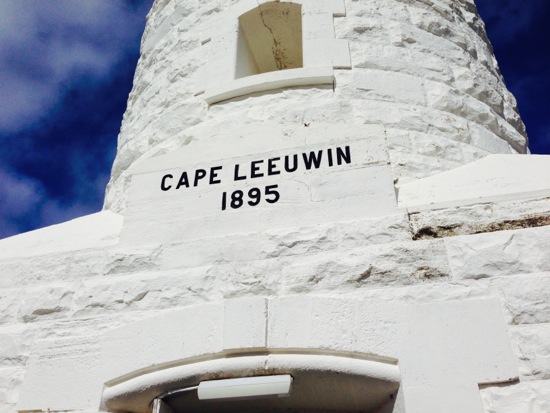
(526, 297)
(11, 379)
(417, 154)
(532, 397)
(45, 303)
(9, 304)
(143, 291)
(62, 356)
(387, 264)
(480, 218)
(53, 267)
(338, 236)
(531, 346)
(126, 260)
(499, 253)
(14, 346)
(247, 278)
(245, 323)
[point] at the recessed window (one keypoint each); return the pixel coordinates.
(270, 39)
(278, 44)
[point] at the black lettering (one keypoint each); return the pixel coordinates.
(271, 167)
(224, 201)
(340, 155)
(329, 153)
(184, 181)
(237, 199)
(199, 174)
(312, 160)
(214, 174)
(236, 176)
(272, 190)
(254, 168)
(294, 167)
(163, 183)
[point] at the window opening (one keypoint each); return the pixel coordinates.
(270, 39)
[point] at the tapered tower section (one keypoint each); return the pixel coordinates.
(423, 71)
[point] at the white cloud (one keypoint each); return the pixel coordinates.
(52, 212)
(47, 44)
(22, 196)
(18, 197)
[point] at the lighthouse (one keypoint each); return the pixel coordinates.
(316, 206)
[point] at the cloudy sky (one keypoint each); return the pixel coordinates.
(66, 68)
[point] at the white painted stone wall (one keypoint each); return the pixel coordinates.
(450, 286)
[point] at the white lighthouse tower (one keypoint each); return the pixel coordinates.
(316, 206)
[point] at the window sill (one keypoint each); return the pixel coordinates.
(269, 81)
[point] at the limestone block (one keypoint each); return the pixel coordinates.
(11, 379)
(9, 305)
(376, 327)
(386, 264)
(336, 7)
(8, 348)
(377, 9)
(488, 140)
(382, 85)
(367, 54)
(326, 53)
(53, 267)
(526, 297)
(247, 278)
(245, 323)
(90, 231)
(14, 346)
(317, 26)
(167, 337)
(430, 292)
(530, 343)
(289, 324)
(124, 260)
(493, 178)
(462, 326)
(330, 323)
(480, 218)
(57, 365)
(145, 291)
(210, 251)
(445, 98)
(532, 397)
(45, 302)
(109, 296)
(281, 242)
(328, 329)
(411, 151)
(499, 253)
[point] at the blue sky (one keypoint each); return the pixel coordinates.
(66, 68)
